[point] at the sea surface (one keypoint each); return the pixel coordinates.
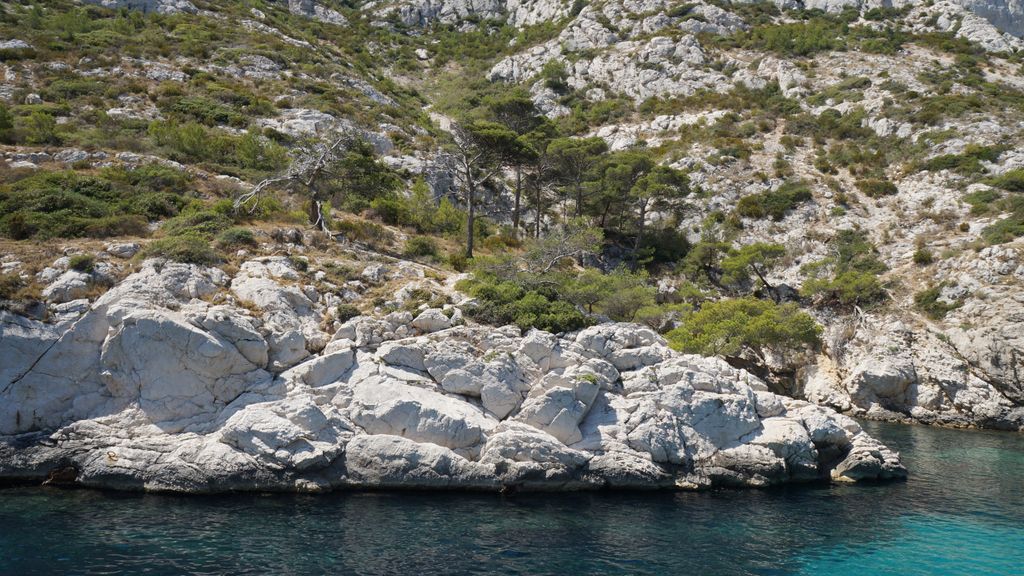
(961, 512)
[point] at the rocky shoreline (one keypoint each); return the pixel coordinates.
(168, 383)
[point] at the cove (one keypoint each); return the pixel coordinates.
(960, 512)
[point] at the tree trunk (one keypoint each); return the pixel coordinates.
(771, 289)
(515, 210)
(470, 218)
(540, 210)
(639, 231)
(579, 199)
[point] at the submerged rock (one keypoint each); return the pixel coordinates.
(154, 388)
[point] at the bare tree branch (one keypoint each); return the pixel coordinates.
(312, 162)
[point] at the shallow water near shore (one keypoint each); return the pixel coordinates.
(961, 512)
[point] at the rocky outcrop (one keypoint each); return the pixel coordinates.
(155, 6)
(167, 383)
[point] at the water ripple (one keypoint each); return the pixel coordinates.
(961, 512)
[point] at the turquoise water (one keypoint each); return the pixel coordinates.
(961, 512)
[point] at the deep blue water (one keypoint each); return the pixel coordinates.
(961, 512)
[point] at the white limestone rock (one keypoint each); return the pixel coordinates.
(153, 387)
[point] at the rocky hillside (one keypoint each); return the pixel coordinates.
(701, 229)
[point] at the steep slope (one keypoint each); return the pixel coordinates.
(901, 124)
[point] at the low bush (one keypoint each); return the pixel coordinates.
(775, 203)
(236, 237)
(1012, 180)
(874, 188)
(420, 247)
(67, 204)
(730, 327)
(850, 276)
(82, 262)
(346, 312)
(928, 302)
(189, 249)
(509, 303)
(201, 223)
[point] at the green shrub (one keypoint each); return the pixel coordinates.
(420, 247)
(457, 260)
(39, 128)
(982, 201)
(1012, 180)
(923, 257)
(6, 125)
(854, 267)
(392, 210)
(554, 76)
(82, 262)
(729, 327)
(73, 88)
(66, 204)
(928, 302)
(202, 223)
(508, 303)
(796, 39)
(346, 312)
(773, 203)
(1005, 230)
(189, 249)
(850, 288)
(876, 188)
(235, 237)
(206, 111)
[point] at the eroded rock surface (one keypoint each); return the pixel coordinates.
(156, 388)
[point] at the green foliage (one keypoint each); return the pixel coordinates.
(797, 38)
(875, 188)
(205, 111)
(923, 257)
(189, 249)
(235, 237)
(928, 302)
(850, 288)
(854, 267)
(346, 312)
(831, 124)
(618, 295)
(82, 262)
(757, 259)
(200, 223)
(982, 201)
(260, 153)
(774, 203)
(1009, 228)
(509, 303)
(6, 125)
(66, 89)
(39, 128)
(70, 205)
(420, 247)
(1012, 180)
(360, 177)
(967, 163)
(554, 76)
(730, 327)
